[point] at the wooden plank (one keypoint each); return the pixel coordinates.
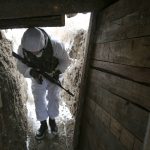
(122, 8)
(103, 138)
(132, 25)
(133, 52)
(129, 115)
(132, 91)
(52, 21)
(36, 8)
(140, 75)
(126, 137)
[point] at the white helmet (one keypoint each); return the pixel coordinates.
(33, 40)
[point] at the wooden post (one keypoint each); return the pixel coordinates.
(89, 47)
(147, 137)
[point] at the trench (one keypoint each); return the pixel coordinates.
(74, 38)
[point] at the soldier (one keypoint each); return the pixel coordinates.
(50, 56)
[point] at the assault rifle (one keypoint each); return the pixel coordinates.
(44, 74)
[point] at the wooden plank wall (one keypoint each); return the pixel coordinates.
(117, 103)
(21, 9)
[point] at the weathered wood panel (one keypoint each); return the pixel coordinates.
(133, 52)
(139, 75)
(118, 92)
(134, 92)
(122, 8)
(103, 138)
(123, 134)
(52, 21)
(129, 115)
(36, 8)
(132, 25)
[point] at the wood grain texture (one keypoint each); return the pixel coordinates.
(127, 114)
(134, 92)
(103, 138)
(139, 75)
(131, 25)
(133, 52)
(123, 8)
(118, 81)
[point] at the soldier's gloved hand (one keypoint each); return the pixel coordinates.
(36, 75)
(56, 74)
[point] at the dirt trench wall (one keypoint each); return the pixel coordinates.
(72, 76)
(12, 99)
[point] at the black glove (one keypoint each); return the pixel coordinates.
(36, 75)
(56, 74)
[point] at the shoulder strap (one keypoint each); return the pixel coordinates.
(49, 43)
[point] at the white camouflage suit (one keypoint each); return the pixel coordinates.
(46, 91)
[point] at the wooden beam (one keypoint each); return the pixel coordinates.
(57, 20)
(27, 8)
